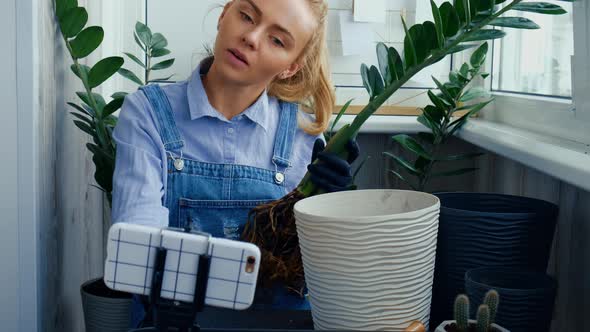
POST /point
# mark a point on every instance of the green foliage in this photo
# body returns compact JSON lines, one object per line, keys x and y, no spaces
{"x":492,"y":300}
{"x":438,"y":117}
{"x":462,"y":312}
{"x":153,"y":46}
{"x":458,"y":25}
{"x":483,"y":318}
{"x":486,"y":312}
{"x":93,"y":115}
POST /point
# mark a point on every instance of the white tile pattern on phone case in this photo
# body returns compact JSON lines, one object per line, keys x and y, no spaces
{"x":131,"y":254}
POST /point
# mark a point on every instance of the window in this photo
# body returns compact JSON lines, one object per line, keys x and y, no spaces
{"x":536,"y":62}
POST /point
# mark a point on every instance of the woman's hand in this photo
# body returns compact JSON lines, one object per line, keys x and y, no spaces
{"x":332,"y":173}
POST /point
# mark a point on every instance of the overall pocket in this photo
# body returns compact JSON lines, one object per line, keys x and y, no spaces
{"x":220,"y":218}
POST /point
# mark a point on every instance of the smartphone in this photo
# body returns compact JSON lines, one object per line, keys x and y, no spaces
{"x":131,"y":254}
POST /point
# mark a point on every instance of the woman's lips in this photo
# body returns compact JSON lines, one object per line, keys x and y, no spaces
{"x":236,"y":60}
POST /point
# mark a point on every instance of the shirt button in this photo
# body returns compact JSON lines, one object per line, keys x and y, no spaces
{"x":230,"y":130}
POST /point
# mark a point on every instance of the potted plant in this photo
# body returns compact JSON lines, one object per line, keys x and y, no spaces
{"x":484,"y":322}
{"x":275,"y":227}
{"x":529,"y":295}
{"x":104,"y":309}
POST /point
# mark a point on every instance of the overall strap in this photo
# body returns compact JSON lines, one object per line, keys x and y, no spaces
{"x":285,"y":135}
{"x":163,"y":112}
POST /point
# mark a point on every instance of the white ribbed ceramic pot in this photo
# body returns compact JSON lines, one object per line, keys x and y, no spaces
{"x":368,"y":257}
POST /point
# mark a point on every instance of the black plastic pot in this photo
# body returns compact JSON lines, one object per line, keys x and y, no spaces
{"x":487,"y":230}
{"x":526,"y":297}
{"x":105,"y":310}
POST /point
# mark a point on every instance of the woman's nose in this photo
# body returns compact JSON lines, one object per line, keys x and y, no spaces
{"x":251,"y":38}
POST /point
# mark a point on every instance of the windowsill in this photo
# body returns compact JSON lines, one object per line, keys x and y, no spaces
{"x":564,"y":159}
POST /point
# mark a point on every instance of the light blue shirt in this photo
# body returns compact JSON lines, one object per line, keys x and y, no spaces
{"x":139,"y":181}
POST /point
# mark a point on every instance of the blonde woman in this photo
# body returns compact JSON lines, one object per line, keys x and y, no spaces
{"x":205,"y":151}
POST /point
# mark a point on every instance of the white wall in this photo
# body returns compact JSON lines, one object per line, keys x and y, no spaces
{"x":9,"y":245}
{"x":19,"y":305}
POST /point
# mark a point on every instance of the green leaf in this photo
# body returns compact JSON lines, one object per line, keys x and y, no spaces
{"x":135,"y":59}
{"x":409,"y":46}
{"x":138,"y":42}
{"x":461,"y":48}
{"x":540,"y":7}
{"x":161,"y":78}
{"x":130,"y":76}
{"x":84,"y":118}
{"x":395,"y":64}
{"x":84,"y":127}
{"x":73,"y":21}
{"x":340,"y":114}
{"x":457,"y":124}
{"x":460,"y":156}
{"x":427,"y":41}
{"x":477,"y":92}
{"x":450,"y":19}
{"x":160,"y":52}
{"x":485,"y":34}
{"x":366,"y":81}
{"x":63,"y":6}
{"x":464,"y":71}
{"x":158,"y":41}
{"x":144,"y":33}
{"x":479,"y":56}
{"x":454,"y":173}
{"x":83,"y":110}
{"x":104,"y":69}
{"x":412,"y":145}
{"x":112,"y":106}
{"x":163,"y":65}
{"x":118,"y":95}
{"x":376,"y":81}
{"x":100,"y":103}
{"x":383,"y":59}
{"x":440,"y":33}
{"x":515,"y":22}
{"x":446,"y":93}
{"x":82,"y":71}
{"x":437,"y":101}
{"x":409,"y":167}
{"x":435,"y":114}
{"x":86,"y":42}
{"x":401,"y":177}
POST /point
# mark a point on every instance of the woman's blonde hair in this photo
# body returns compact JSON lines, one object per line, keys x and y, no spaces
{"x":311,"y":86}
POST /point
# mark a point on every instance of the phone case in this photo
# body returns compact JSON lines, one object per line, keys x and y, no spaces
{"x":131,"y":253}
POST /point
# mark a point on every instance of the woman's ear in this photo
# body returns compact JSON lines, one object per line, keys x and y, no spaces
{"x":291,"y":71}
{"x":225,"y":8}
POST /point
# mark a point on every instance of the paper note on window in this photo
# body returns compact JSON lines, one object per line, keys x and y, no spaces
{"x":369,"y":11}
{"x":357,"y":38}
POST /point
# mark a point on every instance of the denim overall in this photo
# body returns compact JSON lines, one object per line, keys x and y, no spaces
{"x":216,"y":198}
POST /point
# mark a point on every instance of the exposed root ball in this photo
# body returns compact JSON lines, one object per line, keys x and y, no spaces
{"x":272,"y":228}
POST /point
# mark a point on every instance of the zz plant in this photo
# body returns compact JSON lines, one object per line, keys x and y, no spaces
{"x":93,"y":115}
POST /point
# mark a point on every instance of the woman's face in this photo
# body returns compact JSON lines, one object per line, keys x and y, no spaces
{"x":259,"y":40}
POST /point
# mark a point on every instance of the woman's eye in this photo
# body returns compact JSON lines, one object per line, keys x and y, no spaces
{"x":246,"y":17}
{"x":278,"y":42}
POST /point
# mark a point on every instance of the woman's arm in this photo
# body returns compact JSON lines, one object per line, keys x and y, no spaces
{"x":138,"y":183}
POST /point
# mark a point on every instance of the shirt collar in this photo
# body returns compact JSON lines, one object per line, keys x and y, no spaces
{"x":199,"y":105}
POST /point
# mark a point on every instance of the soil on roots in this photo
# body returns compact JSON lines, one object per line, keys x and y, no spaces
{"x":272,"y":228}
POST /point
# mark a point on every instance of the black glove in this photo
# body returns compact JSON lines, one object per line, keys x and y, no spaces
{"x":332,"y":173}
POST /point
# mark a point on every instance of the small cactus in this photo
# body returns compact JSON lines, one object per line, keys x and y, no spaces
{"x":483,"y":318}
{"x":462,"y":312}
{"x":492,"y":300}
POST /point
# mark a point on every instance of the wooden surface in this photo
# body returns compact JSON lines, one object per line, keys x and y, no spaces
{"x":388,"y":110}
